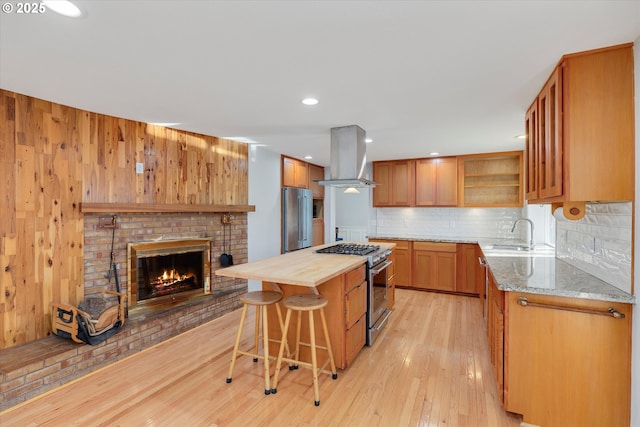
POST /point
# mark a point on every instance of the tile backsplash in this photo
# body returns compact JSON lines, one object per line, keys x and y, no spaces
{"x":474,"y":223}
{"x":599,"y":243}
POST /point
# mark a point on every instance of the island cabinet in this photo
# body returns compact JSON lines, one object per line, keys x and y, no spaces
{"x":580,"y":131}
{"x":568,"y":360}
{"x":433,"y":266}
{"x":437,"y":182}
{"x":345,"y":314}
{"x":395,"y":183}
{"x":355,"y":308}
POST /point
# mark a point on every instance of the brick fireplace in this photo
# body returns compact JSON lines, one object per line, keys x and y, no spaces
{"x":41,"y":365}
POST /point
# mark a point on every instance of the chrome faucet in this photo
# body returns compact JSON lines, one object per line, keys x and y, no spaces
{"x":531,"y":223}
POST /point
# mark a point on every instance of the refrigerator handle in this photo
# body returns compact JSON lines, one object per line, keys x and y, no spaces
{"x":301,"y":224}
{"x":307,"y":222}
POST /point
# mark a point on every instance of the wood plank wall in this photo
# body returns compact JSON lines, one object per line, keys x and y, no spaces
{"x":52,"y":158}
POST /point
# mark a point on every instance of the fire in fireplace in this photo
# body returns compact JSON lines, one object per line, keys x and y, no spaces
{"x":167,"y":270}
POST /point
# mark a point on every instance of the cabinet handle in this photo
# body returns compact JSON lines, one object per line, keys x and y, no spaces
{"x":611,"y":312}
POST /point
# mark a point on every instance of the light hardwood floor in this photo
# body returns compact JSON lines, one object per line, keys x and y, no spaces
{"x":429,"y":367}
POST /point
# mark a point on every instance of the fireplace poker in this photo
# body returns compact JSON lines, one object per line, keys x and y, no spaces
{"x":112,"y":264}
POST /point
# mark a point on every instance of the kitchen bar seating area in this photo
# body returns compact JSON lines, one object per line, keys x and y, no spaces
{"x":260,"y":300}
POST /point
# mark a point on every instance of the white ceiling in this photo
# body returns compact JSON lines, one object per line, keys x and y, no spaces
{"x":418,"y":76}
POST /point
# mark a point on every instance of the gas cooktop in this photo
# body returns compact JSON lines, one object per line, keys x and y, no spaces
{"x":349,"y":249}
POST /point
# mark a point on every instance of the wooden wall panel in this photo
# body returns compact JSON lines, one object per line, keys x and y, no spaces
{"x":52,"y":158}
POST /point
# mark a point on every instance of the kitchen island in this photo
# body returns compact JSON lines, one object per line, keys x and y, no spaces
{"x":339,"y":278}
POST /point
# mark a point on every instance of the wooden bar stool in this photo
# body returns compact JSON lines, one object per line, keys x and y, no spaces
{"x":261,"y":300}
{"x":308,"y":303}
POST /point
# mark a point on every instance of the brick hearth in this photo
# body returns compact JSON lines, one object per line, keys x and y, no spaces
{"x":38,"y":366}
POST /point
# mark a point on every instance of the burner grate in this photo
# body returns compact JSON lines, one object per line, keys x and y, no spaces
{"x":349,"y":249}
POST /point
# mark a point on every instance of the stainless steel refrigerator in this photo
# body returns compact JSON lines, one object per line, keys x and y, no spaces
{"x":297,"y":212}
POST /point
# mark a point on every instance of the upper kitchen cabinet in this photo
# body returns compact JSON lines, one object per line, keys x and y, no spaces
{"x":316,"y":173}
{"x":436,"y":182}
{"x":295,"y":173}
{"x":580,"y":131}
{"x":549,"y":142}
{"x":395,"y":182}
{"x":531,"y":129}
{"x":491,"y":180}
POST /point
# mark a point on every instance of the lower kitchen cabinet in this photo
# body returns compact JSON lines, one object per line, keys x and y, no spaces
{"x":443,"y":266}
{"x":433,"y":266}
{"x":495,"y":333}
{"x":469,"y":270}
{"x":568,"y":361}
{"x":345,"y":314}
{"x":402,"y":261}
{"x":318,"y":231}
{"x":391,"y":280}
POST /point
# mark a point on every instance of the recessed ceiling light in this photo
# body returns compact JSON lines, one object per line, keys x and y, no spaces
{"x":368,"y":140}
{"x":243,"y":139}
{"x":308,"y":157}
{"x":309,"y":101}
{"x":434,"y":153}
{"x":63,"y":7}
{"x":165,"y":124}
{"x":521,"y":136}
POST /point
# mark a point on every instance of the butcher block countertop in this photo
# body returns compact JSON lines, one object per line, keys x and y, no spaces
{"x":302,"y":268}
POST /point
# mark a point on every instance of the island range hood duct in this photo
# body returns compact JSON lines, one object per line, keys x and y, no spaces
{"x":348,"y":158}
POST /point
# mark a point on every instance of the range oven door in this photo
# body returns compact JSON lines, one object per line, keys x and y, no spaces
{"x":378,"y":299}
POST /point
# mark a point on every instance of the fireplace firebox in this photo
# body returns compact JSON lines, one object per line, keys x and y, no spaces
{"x":167,"y":270}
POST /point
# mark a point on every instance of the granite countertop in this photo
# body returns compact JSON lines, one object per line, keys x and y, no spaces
{"x":537,"y":271}
{"x":423,"y":238}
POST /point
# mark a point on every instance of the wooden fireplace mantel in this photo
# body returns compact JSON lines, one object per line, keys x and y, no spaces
{"x":161,"y":208}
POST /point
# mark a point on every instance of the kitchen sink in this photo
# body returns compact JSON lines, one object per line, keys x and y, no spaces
{"x":512,"y":247}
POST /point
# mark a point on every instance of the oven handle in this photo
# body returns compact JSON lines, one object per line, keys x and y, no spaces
{"x":378,"y":270}
{"x":387,"y":314}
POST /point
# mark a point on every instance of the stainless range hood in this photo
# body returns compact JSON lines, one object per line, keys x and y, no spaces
{"x":348,"y":158}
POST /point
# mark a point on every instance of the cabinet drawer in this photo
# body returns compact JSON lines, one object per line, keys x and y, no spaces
{"x":434,"y":246}
{"x":355,"y":304}
{"x":354,"y":277}
{"x":355,"y":339}
{"x":401,"y":244}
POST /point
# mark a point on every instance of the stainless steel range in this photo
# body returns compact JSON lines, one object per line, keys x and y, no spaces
{"x":377,"y":282}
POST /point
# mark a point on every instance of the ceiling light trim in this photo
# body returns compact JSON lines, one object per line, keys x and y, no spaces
{"x":64,"y":8}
